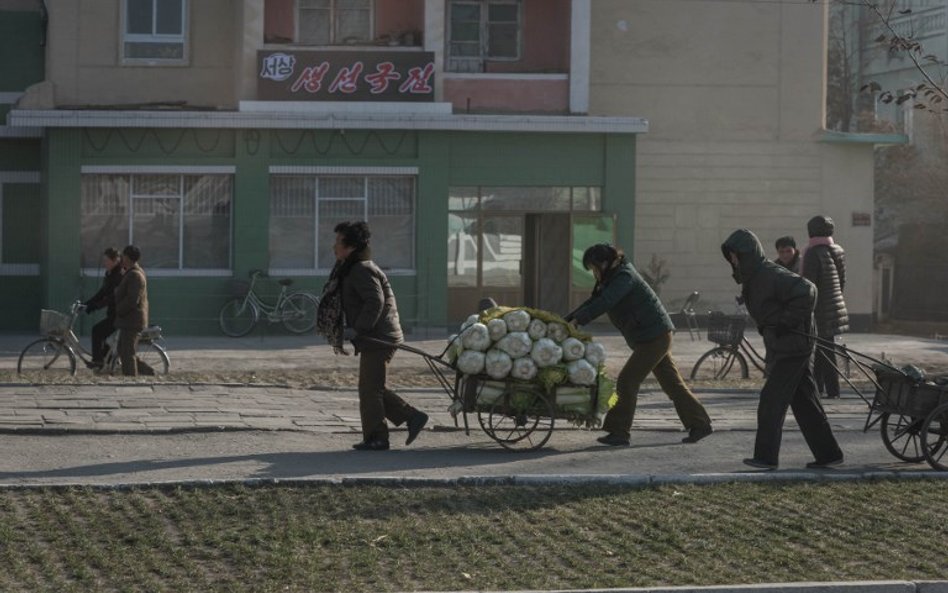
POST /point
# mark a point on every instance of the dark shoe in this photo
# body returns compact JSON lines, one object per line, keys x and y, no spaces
{"x":373,"y":445}
{"x":614,"y":440}
{"x":824,"y":464}
{"x":696,"y":434}
{"x":93,"y":365}
{"x":759,"y":464}
{"x":415,"y":424}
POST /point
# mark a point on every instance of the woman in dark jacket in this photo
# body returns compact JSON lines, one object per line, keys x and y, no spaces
{"x":635,"y":310}
{"x":824,"y":264}
{"x":371,"y":316}
{"x":112,"y":262}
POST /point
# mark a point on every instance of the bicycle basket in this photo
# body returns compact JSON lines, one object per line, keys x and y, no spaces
{"x":239,"y":288}
{"x":53,"y":323}
{"x":726,"y":330}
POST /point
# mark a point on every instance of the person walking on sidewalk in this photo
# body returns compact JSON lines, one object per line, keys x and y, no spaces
{"x":112,"y":261}
{"x":131,"y":310}
{"x":634,"y":309}
{"x":781,"y":304}
{"x":824,"y":264}
{"x":371,"y":316}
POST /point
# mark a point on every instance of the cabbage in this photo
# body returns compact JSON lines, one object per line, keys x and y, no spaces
{"x":546,"y":352}
{"x":497,"y":363}
{"x":524,"y":368}
{"x":573,"y":349}
{"x":489,"y":392}
{"x":515,"y":344}
{"x":471,"y":362}
{"x":476,"y":337}
{"x":517,"y":321}
{"x":580,"y":372}
{"x":557,"y":331}
{"x":536,"y":330}
{"x":595,"y":354}
{"x":469,"y":322}
{"x":454,"y":348}
{"x":497,"y":329}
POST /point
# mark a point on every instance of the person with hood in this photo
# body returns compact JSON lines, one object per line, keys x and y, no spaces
{"x":634,"y":309}
{"x":365,"y":313}
{"x":788,"y":255}
{"x":781,"y":304}
{"x":824,"y":264}
{"x":112,"y":261}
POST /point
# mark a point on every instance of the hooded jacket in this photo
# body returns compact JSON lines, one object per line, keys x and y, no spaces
{"x":780,"y":302}
{"x":825,"y":266}
{"x":369,"y":303}
{"x":632,"y":305}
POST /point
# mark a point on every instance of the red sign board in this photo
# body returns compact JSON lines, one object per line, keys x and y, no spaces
{"x":345,"y":76}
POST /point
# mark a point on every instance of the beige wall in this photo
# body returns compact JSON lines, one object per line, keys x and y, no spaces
{"x":734,"y":97}
{"x":83,"y":59}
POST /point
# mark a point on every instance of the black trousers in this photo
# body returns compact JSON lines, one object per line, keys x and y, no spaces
{"x":791,"y":384}
{"x":376,"y":401}
{"x":824,"y":367}
{"x":100,"y":333}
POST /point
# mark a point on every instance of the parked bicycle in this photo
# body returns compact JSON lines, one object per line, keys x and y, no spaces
{"x":295,"y":310}
{"x":732,"y":352}
{"x":58,"y":350}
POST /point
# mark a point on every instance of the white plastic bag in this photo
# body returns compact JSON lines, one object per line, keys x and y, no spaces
{"x":476,"y":337}
{"x":536,"y":329}
{"x":497,"y":363}
{"x":524,"y":368}
{"x":580,"y":372}
{"x":471,"y":362}
{"x":517,"y":321}
{"x":595,"y":354}
{"x":573,"y":349}
{"x":546,"y":352}
{"x":516,"y":344}
{"x":497,"y":328}
{"x":556,"y":331}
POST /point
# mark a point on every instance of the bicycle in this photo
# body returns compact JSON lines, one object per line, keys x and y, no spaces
{"x":296,"y":310}
{"x":57,"y":351}
{"x":732,"y":350}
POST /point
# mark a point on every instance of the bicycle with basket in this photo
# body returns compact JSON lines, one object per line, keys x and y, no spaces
{"x":732,"y":351}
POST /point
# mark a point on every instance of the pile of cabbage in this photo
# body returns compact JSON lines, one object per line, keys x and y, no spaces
{"x":522,"y":348}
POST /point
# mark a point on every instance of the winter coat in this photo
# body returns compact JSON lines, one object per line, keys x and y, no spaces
{"x":780,"y":302}
{"x":793,"y":266}
{"x":632,"y":305}
{"x":825,"y":266}
{"x":106,"y":295}
{"x":131,"y":300}
{"x":369,"y":303}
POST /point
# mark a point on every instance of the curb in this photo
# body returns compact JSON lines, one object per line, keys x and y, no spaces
{"x":803,"y":587}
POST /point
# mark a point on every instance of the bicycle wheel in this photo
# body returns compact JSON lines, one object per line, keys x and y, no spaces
{"x":152,"y":357}
{"x":298,"y":312}
{"x":717,"y":364}
{"x":237,"y":318}
{"x":935,"y":438}
{"x":901,"y":436}
{"x":47,"y":356}
{"x":519,"y":421}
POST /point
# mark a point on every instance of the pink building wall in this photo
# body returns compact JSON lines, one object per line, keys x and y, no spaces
{"x":507,"y":95}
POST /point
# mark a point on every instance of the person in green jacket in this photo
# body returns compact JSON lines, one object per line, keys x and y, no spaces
{"x":634,"y":309}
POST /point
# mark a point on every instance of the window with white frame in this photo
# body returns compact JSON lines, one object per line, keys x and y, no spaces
{"x":155,"y":30}
{"x":334,"y":22}
{"x":305,"y":209}
{"x":484,"y":30}
{"x":180,"y":222}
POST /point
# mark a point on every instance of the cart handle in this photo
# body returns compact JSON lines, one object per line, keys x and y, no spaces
{"x":402,"y":346}
{"x":831,"y":344}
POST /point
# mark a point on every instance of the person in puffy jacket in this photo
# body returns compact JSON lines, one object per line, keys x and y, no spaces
{"x":634,"y":309}
{"x":781,"y":304}
{"x":371,"y":316}
{"x":824,"y":264}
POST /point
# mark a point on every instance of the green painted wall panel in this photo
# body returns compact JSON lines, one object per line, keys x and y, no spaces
{"x":251,"y":239}
{"x":334,"y":144}
{"x":20,"y":35}
{"x":60,"y":246}
{"x":20,"y":304}
{"x":182,"y":146}
{"x":22,"y":221}
{"x":20,"y":154}
{"x":431,"y":227}
{"x":618,"y":192}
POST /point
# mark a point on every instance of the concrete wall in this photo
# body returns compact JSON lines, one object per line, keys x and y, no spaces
{"x":734,"y":95}
{"x":84,"y":57}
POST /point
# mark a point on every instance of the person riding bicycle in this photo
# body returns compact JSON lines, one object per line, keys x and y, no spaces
{"x":131,"y":312}
{"x":112,"y":262}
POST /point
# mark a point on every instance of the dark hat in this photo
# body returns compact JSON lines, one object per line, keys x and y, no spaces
{"x":820,"y":226}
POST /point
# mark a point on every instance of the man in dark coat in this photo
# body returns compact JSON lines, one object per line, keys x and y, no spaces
{"x":781,"y":303}
{"x":371,"y":316}
{"x":112,"y":262}
{"x":131,"y":309}
{"x":824,"y":264}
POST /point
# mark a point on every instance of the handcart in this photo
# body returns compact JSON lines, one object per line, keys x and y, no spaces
{"x":912,"y":412}
{"x":519,"y":415}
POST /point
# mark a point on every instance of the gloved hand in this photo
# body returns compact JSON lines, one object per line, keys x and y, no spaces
{"x":349,"y":334}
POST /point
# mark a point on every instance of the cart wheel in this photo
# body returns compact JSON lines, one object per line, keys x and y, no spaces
{"x":519,"y":421}
{"x":901,"y":436}
{"x":935,"y":438}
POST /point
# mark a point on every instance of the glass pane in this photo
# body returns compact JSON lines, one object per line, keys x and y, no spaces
{"x":461,"y":12}
{"x":207,"y":221}
{"x":156,"y":185}
{"x":502,"y":41}
{"x":344,"y":4}
{"x":169,"y":17}
{"x":462,"y":198}
{"x":595,"y":199}
{"x":586,"y":199}
{"x":465,"y":32}
{"x":331,"y":214}
{"x":292,"y":222}
{"x":528,"y":199}
{"x":138,"y":17}
{"x":353,"y":26}
{"x":462,"y":250}
{"x":155,"y":51}
{"x":466,"y":50}
{"x":392,"y":222}
{"x":103,"y":216}
{"x":314,"y":27}
{"x":342,"y":187}
{"x":315,"y":3}
{"x":155,"y":226}
{"x":502,"y":13}
{"x":587,"y":231}
{"x":503,"y":246}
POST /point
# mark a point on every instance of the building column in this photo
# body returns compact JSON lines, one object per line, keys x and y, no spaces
{"x":249,"y":27}
{"x":618,"y":192}
{"x":60,"y":265}
{"x":251,"y":203}
{"x":434,"y":38}
{"x":579,"y":44}
{"x":431,"y":214}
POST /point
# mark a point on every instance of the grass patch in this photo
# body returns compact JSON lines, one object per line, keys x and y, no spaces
{"x":297,"y":538}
